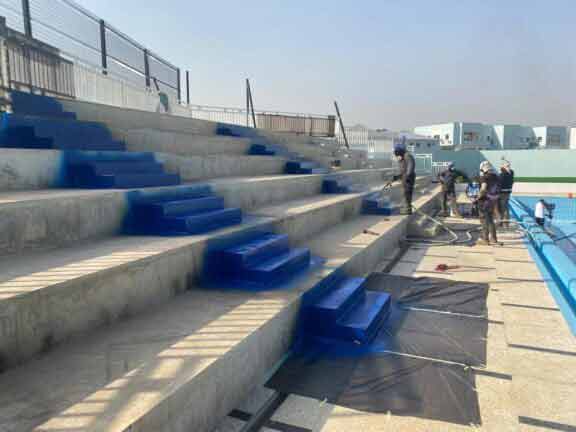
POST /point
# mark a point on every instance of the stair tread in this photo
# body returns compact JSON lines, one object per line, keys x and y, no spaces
{"x":362,"y":316}
{"x":336,"y":298}
{"x":256,"y":244}
{"x":206,"y":214}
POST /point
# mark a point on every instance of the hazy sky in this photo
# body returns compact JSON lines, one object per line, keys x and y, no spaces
{"x":389,"y":63}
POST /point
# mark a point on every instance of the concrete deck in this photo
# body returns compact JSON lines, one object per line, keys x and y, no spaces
{"x":529,"y":383}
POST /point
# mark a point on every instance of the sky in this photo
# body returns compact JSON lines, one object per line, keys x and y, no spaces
{"x":391,"y":64}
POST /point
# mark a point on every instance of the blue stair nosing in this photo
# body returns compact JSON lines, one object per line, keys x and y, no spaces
{"x":279,"y":266}
{"x":362,"y":322}
{"x":122,"y":167}
{"x":249,"y":254}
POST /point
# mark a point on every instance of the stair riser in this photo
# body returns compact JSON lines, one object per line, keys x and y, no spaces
{"x":201,"y":224}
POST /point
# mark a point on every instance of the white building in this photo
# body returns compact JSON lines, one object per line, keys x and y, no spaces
{"x":479,"y":136}
{"x":573,"y":138}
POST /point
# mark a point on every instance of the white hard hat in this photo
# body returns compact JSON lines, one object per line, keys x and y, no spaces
{"x":486,"y":166}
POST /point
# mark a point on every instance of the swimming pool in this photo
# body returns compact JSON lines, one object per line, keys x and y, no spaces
{"x":554,"y":247}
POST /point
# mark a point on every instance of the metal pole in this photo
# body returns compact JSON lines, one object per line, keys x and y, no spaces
{"x":147,"y":68}
{"x":341,"y":125}
{"x":188,"y":87}
{"x":27,"y":18}
{"x":251,"y":102}
{"x":179,"y":86}
{"x":247,"y":103}
{"x":103,"y":47}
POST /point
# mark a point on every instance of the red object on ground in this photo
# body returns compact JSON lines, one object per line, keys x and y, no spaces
{"x":445,"y":267}
{"x":570,"y":195}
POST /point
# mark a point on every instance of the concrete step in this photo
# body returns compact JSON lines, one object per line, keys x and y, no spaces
{"x":55,"y":218}
{"x":278,"y":267}
{"x":45,"y":298}
{"x":176,"y":367}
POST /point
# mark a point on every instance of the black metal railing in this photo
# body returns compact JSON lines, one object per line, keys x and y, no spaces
{"x":73,"y":30}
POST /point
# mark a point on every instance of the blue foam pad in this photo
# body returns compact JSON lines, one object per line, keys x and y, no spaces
{"x":255,"y":251}
{"x":279,"y":267}
{"x":363,"y":321}
{"x":202,"y":222}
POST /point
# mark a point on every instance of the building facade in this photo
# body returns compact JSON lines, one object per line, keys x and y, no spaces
{"x":479,"y":136}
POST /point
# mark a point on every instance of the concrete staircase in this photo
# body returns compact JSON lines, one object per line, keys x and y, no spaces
{"x":110,"y":318}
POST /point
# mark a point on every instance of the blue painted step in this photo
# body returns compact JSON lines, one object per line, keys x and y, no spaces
{"x":120,"y":167}
{"x":304,"y":167}
{"x":376,"y":205}
{"x":336,"y":185}
{"x":38,"y":105}
{"x":131,"y":181}
{"x":279,"y":267}
{"x":200,"y":223}
{"x":261,"y":150}
{"x":66,"y":134}
{"x":339,"y":301}
{"x":23,"y":137}
{"x":364,"y":320}
{"x":256,"y":251}
{"x":181,"y":207}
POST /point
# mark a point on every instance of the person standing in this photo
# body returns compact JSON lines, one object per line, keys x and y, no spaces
{"x":447,"y":179}
{"x":506,"y":186}
{"x":487,"y":203}
{"x":407,"y":175}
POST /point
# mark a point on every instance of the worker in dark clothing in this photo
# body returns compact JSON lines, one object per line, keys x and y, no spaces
{"x":448,"y":179}
{"x":488,"y":202}
{"x":407,"y":175}
{"x":506,"y":186}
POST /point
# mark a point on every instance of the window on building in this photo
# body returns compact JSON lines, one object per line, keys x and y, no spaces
{"x":470,"y":136}
{"x":429,"y":145}
{"x":446,"y":136}
{"x":554,"y":139}
{"x":417,"y":145}
{"x":436,"y":137}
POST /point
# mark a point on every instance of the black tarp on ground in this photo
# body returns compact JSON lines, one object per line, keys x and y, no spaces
{"x":418,"y":364}
{"x":433,"y":293}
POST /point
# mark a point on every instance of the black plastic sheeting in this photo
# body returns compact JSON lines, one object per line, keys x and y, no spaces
{"x":419,"y":365}
{"x":432,"y":293}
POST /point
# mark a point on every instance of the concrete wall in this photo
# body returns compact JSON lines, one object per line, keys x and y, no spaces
{"x":529,"y":164}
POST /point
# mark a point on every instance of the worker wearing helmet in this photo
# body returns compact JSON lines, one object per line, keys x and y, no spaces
{"x":407,"y":174}
{"x":447,"y":179}
{"x":488,"y":202}
{"x":506,"y":185}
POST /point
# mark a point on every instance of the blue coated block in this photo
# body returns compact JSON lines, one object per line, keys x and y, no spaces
{"x":38,"y":105}
{"x":338,"y":302}
{"x":79,"y":157}
{"x":255,"y":251}
{"x":261,"y":150}
{"x":362,"y":322}
{"x":133,"y":181}
{"x":122,"y":167}
{"x":279,"y":267}
{"x":202,"y":222}
{"x":183,"y":207}
{"x":336,"y":185}
{"x":66,"y":134}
